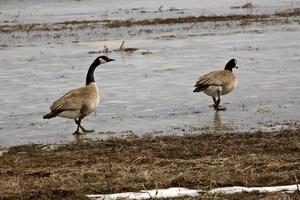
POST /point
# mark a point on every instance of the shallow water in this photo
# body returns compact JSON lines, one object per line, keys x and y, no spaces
{"x":16,"y":11}
{"x":150,"y":93}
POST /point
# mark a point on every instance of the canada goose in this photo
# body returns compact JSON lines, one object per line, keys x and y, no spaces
{"x":80,"y":102}
{"x":217,"y":83}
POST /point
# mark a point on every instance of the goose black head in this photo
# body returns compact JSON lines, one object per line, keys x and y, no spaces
{"x":99,"y":60}
{"x":104,"y":59}
{"x":231,"y":64}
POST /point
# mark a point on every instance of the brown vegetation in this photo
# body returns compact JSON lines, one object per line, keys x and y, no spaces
{"x":69,"y":25}
{"x":120,"y":49}
{"x":205,"y":161}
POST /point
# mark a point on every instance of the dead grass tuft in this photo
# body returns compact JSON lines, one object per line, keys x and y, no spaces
{"x":204,"y":161}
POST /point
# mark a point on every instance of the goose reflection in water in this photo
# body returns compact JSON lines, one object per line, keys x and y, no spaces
{"x":219,"y":126}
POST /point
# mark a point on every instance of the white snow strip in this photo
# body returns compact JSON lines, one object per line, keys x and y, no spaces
{"x":149,"y":194}
{"x":182,"y":192}
{"x":239,"y":189}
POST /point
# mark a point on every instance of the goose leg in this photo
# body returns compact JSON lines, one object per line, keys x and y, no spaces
{"x":81,"y":127}
{"x":77,"y":132}
{"x":215,"y":100}
{"x":217,"y":103}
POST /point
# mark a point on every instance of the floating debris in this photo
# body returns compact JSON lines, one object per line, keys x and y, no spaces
{"x":147,"y":52}
{"x":105,"y":50}
{"x":247,"y":5}
{"x":120,"y":49}
{"x":263,"y":110}
{"x":129,"y":50}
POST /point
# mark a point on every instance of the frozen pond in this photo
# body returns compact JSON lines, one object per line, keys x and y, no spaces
{"x":148,"y":93}
{"x":16,"y":11}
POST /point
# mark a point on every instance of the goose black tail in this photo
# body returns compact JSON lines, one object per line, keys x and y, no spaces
{"x":200,"y":88}
{"x":51,"y":115}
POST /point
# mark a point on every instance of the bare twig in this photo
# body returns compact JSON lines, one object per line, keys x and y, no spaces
{"x":121,"y":47}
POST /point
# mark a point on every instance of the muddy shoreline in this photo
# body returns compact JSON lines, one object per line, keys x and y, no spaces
{"x":278,"y":17}
{"x":204,"y":161}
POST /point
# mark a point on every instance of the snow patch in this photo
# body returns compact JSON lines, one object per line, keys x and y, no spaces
{"x":182,"y":192}
{"x":239,"y":189}
{"x":149,"y":194}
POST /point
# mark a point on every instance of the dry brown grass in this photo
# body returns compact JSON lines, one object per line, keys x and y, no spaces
{"x":117,"y":165}
{"x":275,"y":18}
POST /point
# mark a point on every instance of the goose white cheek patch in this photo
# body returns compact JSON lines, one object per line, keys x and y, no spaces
{"x":102,"y":61}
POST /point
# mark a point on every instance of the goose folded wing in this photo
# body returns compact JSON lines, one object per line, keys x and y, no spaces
{"x":208,"y":79}
{"x":70,"y":101}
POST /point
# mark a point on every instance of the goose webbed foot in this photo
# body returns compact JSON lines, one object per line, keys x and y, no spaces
{"x":82,"y":128}
{"x":77,"y":132}
{"x":217,"y":103}
{"x":220,"y":108}
{"x":217,"y":106}
{"x":86,"y":130}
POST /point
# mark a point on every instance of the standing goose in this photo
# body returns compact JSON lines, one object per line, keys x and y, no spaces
{"x":217,"y":83}
{"x":80,"y":102}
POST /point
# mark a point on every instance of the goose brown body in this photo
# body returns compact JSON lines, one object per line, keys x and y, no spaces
{"x":77,"y":103}
{"x":218,"y":83}
{"x":222,"y":81}
{"x":80,"y":102}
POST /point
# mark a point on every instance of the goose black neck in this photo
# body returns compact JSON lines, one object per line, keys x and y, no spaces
{"x":228,"y":68}
{"x":90,"y":75}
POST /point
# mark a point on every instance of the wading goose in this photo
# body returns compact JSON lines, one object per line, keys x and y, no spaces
{"x":78,"y":103}
{"x":217,"y":83}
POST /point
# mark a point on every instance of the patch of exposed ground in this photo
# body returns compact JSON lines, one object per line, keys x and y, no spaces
{"x":205,"y":161}
{"x":200,"y":19}
{"x":279,"y":17}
